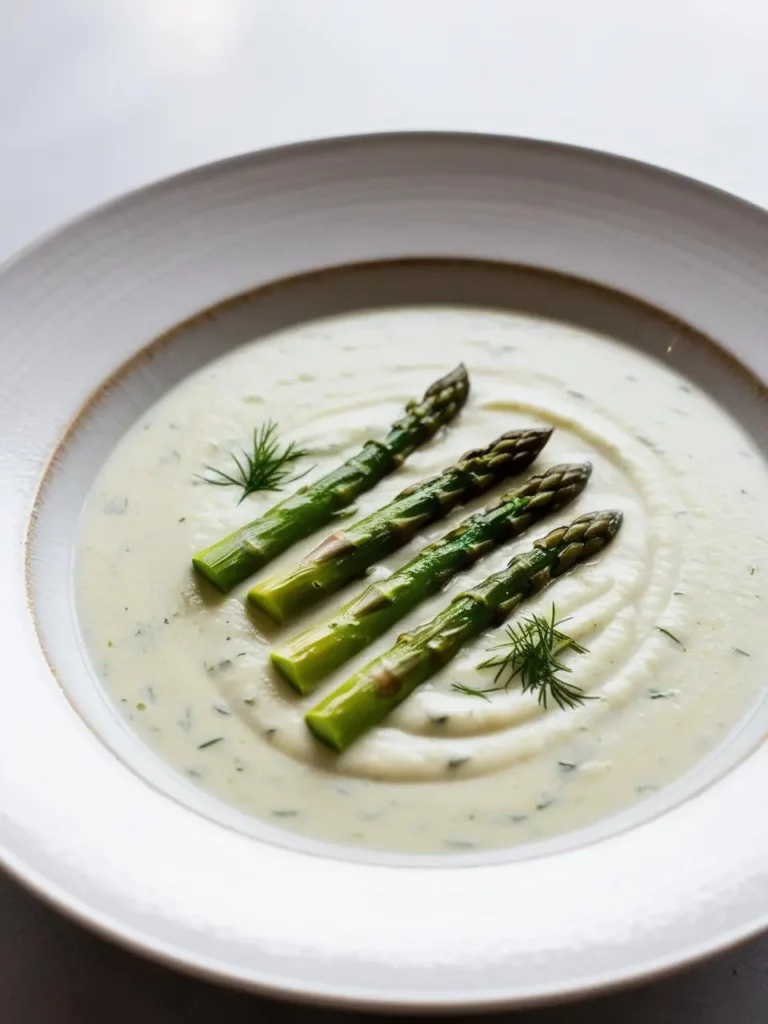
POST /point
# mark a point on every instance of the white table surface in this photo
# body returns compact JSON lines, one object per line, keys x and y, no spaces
{"x":101,"y":96}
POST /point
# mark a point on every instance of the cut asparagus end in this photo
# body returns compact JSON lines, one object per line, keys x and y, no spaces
{"x":224,"y":564}
{"x":327,"y":729}
{"x":278,"y":598}
{"x":263,"y":602}
{"x":306,"y":659}
{"x":293,"y":673}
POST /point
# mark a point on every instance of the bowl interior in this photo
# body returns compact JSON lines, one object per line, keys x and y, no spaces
{"x":308,"y":298}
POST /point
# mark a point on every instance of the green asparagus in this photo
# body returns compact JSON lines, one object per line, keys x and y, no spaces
{"x":346,"y":554}
{"x":309,"y":657}
{"x":233,"y":559}
{"x":365,"y":699}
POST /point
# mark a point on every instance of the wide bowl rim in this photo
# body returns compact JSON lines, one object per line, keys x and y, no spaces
{"x":411,"y":1001}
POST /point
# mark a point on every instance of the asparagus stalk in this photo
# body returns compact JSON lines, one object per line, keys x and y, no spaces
{"x":309,"y":657}
{"x":346,"y":555}
{"x":365,"y":699}
{"x":233,"y":559}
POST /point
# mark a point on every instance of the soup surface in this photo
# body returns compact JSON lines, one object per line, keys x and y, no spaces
{"x":671,"y":612}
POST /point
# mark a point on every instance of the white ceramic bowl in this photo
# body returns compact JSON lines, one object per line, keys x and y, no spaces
{"x":95,"y":824}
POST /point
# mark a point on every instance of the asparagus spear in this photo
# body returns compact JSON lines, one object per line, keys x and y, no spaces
{"x":310,"y":656}
{"x":233,"y":559}
{"x":365,"y":699}
{"x":346,"y":555}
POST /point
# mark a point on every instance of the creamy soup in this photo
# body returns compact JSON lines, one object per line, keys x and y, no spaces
{"x":671,"y":612}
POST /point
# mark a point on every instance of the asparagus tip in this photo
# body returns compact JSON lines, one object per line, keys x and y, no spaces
{"x":582,"y":470}
{"x":457,"y":376}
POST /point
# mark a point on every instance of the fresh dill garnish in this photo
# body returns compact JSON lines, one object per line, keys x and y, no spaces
{"x":265,"y":468}
{"x":670,"y":635}
{"x":531,"y":651}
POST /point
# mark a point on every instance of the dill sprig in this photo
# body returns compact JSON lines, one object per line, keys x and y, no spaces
{"x":532,"y":652}
{"x":264,"y":468}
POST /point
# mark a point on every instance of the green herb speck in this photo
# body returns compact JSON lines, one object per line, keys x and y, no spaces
{"x":210,"y":743}
{"x":457,"y":762}
{"x":670,"y":635}
{"x":219,"y":666}
{"x":648,"y":443}
{"x":469,"y":691}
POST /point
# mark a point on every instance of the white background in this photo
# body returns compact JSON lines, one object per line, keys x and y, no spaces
{"x":101,"y":96}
